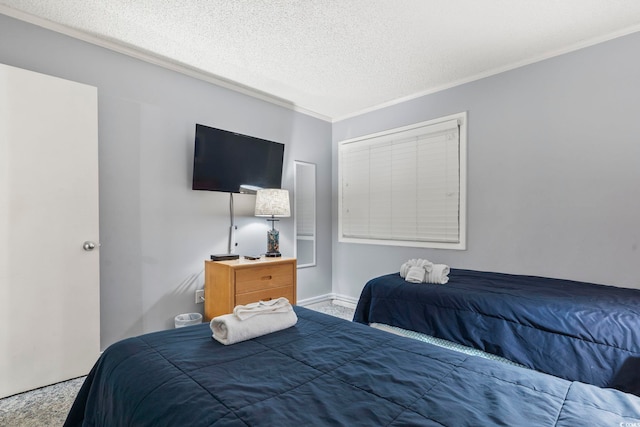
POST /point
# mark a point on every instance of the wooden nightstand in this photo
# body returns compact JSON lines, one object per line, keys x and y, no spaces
{"x":239,"y":282}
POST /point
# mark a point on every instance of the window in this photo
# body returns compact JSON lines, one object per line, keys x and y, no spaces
{"x":405,"y":186}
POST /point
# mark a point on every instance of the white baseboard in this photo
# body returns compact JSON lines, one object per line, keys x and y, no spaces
{"x":332,"y":298}
{"x":313,"y":301}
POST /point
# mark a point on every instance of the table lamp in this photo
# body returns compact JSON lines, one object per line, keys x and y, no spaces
{"x":272,"y":203}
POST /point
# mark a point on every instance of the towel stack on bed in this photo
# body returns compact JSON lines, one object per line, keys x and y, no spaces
{"x":253,"y":320}
{"x":424,"y":271}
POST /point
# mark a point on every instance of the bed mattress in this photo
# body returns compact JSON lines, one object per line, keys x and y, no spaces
{"x":326,"y":371}
{"x":577,"y":331}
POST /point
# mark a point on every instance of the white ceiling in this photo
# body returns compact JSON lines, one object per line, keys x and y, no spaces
{"x":337,"y":58}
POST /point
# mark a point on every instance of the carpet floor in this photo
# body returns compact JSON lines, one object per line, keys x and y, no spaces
{"x":43,"y":407}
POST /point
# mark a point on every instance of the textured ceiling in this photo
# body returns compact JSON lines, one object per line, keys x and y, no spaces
{"x":337,"y":58}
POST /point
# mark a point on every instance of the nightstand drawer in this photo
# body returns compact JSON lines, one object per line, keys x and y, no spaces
{"x":263,"y":278}
{"x":265,"y":295}
{"x":240,"y":282}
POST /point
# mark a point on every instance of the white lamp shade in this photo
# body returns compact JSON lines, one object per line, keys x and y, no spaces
{"x":272,"y":202}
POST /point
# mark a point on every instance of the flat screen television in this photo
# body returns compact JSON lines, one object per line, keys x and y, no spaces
{"x":224,"y":161}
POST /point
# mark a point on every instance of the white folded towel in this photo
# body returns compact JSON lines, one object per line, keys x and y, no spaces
{"x":416,"y":274}
{"x":419,"y":270}
{"x":416,"y":262}
{"x":439,"y":274}
{"x":230,"y":328}
{"x":279,"y":305}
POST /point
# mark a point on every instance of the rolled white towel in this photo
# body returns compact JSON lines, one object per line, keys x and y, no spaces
{"x":230,"y":329}
{"x":415,"y":262}
{"x":426,"y":264}
{"x":439,"y":274}
{"x":416,"y":274}
{"x":278,"y":305}
{"x":404,"y":268}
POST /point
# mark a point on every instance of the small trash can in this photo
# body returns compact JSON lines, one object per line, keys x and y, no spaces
{"x":188,"y":319}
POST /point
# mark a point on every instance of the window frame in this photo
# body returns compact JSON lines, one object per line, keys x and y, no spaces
{"x":398,"y":133}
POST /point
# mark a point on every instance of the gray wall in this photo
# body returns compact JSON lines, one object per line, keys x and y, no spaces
{"x":554,"y":167}
{"x":553,"y":171}
{"x":155,"y":231}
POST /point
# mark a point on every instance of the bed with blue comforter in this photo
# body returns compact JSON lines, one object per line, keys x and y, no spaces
{"x":325,"y":371}
{"x":577,"y":331}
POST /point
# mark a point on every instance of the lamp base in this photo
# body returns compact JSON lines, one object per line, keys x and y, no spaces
{"x":273,"y":243}
{"x":273,"y":254}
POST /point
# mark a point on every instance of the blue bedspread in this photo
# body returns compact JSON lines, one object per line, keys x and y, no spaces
{"x":327,"y":371}
{"x":577,"y":331}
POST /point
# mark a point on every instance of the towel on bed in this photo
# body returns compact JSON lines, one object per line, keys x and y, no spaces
{"x":416,"y":262}
{"x":439,"y":274}
{"x":419,"y":270}
{"x":279,"y":305}
{"x":231,"y":328}
{"x":416,"y":274}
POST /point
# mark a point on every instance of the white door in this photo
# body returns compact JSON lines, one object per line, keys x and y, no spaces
{"x":49,"y":284}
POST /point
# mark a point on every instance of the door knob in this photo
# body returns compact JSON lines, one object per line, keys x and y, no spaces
{"x":88,"y":246}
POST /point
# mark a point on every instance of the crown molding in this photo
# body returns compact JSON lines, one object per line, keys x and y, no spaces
{"x":158,"y":60}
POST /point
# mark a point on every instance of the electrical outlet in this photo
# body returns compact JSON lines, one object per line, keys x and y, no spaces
{"x":199,"y":296}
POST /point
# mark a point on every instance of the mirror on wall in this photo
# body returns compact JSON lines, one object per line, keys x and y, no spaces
{"x":305,"y":213}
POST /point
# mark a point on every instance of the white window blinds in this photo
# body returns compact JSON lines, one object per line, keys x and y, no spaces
{"x":404,"y":187}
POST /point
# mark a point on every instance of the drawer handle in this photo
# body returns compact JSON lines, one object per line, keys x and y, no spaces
{"x":267,"y":299}
{"x":266,"y":277}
